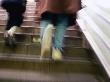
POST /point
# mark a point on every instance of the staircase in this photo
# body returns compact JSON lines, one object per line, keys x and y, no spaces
{"x":22,"y":64}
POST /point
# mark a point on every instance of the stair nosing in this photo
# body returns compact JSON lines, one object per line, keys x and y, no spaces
{"x":37,"y":34}
{"x":36,"y":58}
{"x":31,"y":76}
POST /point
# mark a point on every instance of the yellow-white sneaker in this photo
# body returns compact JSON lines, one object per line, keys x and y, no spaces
{"x":46,"y":42}
{"x":56,"y":54}
{"x":36,"y":40}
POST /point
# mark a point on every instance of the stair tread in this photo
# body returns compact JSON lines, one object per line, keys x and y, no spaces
{"x":30,"y":76}
{"x":36,"y":58}
{"x":37,"y":34}
{"x":23,"y":26}
{"x":45,"y":77}
{"x":25,"y":20}
{"x":70,"y":29}
{"x":49,"y":66}
{"x":37,"y":27}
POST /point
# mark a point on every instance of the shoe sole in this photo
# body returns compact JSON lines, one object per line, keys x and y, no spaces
{"x":10,"y":41}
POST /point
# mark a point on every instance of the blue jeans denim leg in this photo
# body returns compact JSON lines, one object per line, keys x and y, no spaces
{"x":43,"y":25}
{"x":61,"y":26}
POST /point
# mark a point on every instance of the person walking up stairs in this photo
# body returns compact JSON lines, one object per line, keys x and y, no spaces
{"x":15,"y":10}
{"x":59,"y":16}
{"x":23,"y":64}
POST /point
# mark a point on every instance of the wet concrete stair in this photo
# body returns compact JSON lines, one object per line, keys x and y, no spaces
{"x":22,"y":64}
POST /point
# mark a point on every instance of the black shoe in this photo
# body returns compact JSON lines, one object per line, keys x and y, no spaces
{"x":9,"y":40}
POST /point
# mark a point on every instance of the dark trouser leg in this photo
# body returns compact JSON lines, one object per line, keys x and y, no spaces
{"x":14,"y":20}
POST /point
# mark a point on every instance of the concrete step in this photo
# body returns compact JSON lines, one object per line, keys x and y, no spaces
{"x":27,"y":10}
{"x":26,"y":22}
{"x":31,"y":10}
{"x":32,"y":3}
{"x":22,"y":29}
{"x":71,"y":31}
{"x":28,"y":37}
{"x":27,"y":16}
{"x":35,"y":48}
{"x":27,"y":7}
{"x":7,"y":75}
{"x":47,"y":65}
{"x":30,"y":14}
{"x":32,"y":17}
{"x":2,"y":13}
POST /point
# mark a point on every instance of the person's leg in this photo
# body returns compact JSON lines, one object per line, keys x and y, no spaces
{"x":9,"y":21}
{"x":15,"y":21}
{"x":62,"y":24}
{"x":43,"y":25}
{"x":46,"y":19}
{"x":15,"y":17}
{"x":46,"y":34}
{"x":12,"y":24}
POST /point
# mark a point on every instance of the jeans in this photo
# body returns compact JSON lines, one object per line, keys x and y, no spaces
{"x":60,"y":23}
